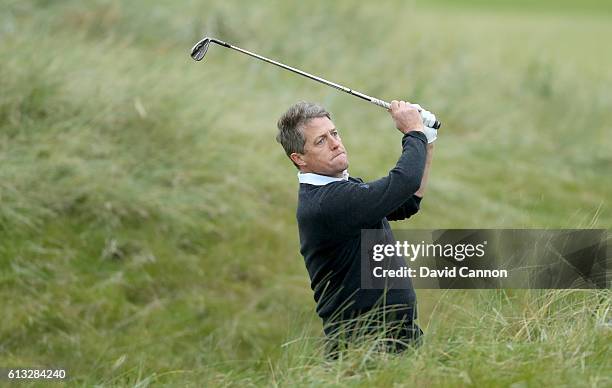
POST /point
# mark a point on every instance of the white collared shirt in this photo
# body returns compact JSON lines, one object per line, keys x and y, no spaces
{"x":320,"y":180}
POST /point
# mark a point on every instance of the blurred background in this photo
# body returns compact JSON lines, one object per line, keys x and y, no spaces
{"x":147,"y":216}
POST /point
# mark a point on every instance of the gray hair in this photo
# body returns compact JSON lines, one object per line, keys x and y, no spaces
{"x":291,"y":125}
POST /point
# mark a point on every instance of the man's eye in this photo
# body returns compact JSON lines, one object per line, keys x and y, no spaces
{"x":335,"y":134}
{"x":319,"y":142}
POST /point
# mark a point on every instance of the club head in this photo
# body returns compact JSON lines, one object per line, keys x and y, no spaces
{"x":199,"y":50}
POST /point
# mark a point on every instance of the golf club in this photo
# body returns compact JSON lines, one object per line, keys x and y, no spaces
{"x":199,"y":51}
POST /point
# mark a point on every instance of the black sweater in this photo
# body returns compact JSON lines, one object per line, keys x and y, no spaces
{"x":330,"y":219}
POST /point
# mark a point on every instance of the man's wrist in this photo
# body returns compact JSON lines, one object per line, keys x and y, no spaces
{"x":418,"y":134}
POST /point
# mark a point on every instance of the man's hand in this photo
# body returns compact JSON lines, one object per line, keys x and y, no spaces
{"x":431,"y":134}
{"x":406,"y":116}
{"x":428,"y":120}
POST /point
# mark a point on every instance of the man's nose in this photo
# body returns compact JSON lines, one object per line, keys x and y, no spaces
{"x":334,"y":143}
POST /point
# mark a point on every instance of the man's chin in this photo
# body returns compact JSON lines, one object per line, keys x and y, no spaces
{"x":341,"y":167}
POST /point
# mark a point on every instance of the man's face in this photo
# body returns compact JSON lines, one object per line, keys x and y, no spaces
{"x":324,"y":152}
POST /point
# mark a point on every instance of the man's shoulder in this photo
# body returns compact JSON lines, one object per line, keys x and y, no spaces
{"x":313,"y":193}
{"x":311,"y":198}
{"x":308,"y":192}
{"x":330,"y":191}
{"x":326,"y":199}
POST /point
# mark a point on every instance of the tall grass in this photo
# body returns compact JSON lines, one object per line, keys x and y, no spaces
{"x":147,"y":227}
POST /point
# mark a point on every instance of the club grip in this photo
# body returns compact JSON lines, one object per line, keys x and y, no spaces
{"x":387,"y":106}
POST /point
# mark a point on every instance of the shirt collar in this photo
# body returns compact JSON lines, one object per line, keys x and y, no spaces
{"x":320,"y":180}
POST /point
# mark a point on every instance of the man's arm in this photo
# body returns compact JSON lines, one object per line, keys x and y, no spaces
{"x":412,"y":205}
{"x":421,"y":191}
{"x":406,"y":210}
{"x":349,"y":207}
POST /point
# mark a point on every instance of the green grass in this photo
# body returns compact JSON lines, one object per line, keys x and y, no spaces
{"x":147,"y":217}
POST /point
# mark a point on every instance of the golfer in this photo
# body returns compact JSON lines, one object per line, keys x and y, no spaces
{"x":334,"y":207}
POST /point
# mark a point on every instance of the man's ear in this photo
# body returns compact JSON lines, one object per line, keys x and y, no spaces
{"x":297,"y":159}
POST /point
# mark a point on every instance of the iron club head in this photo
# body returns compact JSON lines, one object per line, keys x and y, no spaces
{"x":199,"y":49}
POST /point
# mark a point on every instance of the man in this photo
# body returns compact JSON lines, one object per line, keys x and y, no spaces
{"x":333,"y":208}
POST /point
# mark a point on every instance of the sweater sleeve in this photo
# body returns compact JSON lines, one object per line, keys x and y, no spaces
{"x":407,"y":209}
{"x":350,"y":207}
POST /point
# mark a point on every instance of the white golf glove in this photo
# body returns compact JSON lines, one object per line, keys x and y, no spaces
{"x":431,"y":134}
{"x":428,"y":121}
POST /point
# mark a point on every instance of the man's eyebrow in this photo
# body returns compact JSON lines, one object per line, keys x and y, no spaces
{"x":323,"y":135}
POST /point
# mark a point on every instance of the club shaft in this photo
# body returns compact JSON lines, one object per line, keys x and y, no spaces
{"x":373,"y":100}
{"x":305,"y":74}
